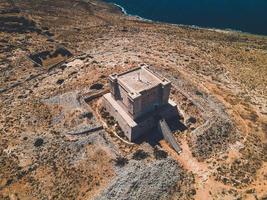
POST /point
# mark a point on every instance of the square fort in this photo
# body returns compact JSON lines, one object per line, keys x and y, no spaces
{"x":138,"y":98}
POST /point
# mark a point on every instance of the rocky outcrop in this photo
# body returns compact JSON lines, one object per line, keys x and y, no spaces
{"x":148,"y":182}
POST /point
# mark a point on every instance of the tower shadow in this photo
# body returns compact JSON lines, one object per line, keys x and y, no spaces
{"x":154,"y":136}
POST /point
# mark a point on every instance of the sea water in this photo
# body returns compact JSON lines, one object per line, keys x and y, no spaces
{"x":241,"y":15}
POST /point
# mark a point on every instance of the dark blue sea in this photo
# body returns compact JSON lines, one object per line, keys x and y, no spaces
{"x":241,"y":15}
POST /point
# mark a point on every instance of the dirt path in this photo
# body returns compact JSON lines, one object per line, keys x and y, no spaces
{"x":199,"y":169}
{"x":205,"y":184}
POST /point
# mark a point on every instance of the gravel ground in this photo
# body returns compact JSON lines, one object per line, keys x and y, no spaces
{"x":145,"y":181}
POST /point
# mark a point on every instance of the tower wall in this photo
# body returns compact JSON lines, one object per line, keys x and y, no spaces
{"x":166,"y":89}
{"x":114,"y":86}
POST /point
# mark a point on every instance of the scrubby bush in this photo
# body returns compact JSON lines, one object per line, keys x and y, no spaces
{"x":160,"y":154}
{"x":140,"y":155}
{"x":121,"y":161}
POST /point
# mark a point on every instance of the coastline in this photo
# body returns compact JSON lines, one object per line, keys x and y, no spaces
{"x":124,"y":11}
{"x":216,"y":77}
{"x":226,"y":31}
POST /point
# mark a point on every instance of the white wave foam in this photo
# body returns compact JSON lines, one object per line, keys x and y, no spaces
{"x":122,"y":8}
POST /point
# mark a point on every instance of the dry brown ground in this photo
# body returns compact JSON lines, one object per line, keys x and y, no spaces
{"x":231,"y":67}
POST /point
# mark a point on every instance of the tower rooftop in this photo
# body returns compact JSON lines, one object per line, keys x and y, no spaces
{"x":140,"y":79}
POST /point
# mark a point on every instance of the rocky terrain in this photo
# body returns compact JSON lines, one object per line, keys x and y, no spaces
{"x":55,"y":142}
